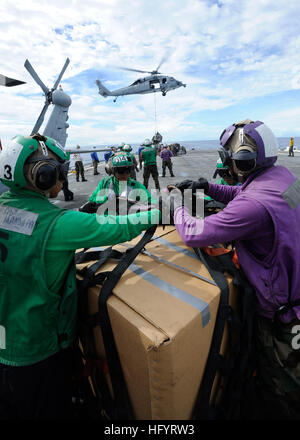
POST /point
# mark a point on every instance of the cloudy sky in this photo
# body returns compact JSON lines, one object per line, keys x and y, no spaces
{"x":239,"y":59}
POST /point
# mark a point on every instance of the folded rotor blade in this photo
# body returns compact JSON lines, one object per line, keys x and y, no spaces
{"x":9,"y":82}
{"x":35,"y":76}
{"x":61,"y":74}
{"x":40,"y":119}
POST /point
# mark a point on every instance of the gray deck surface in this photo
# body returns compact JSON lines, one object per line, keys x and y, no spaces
{"x":190,"y":166}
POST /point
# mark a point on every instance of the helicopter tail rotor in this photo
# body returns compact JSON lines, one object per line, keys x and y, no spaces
{"x":46,"y":90}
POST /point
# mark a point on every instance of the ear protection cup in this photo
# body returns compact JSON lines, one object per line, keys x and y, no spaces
{"x":44,"y":175}
{"x":225,"y":156}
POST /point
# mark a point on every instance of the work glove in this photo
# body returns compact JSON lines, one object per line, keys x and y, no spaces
{"x":89,"y":207}
{"x":169,"y":199}
{"x":191,"y":197}
{"x":201,"y":183}
{"x":140,"y":207}
{"x":176,"y":197}
{"x":185,"y":184}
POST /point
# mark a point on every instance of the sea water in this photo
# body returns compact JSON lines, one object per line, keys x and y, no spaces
{"x":211,"y":145}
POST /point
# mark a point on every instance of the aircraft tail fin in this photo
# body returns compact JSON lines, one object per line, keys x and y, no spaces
{"x":103,"y":91}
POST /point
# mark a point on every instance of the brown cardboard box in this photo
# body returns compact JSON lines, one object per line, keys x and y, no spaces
{"x":163,"y":319}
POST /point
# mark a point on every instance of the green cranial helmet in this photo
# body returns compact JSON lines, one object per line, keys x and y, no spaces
{"x":15,"y":153}
{"x":127,"y":148}
{"x":147,"y":142}
{"x":220,"y":166}
{"x":121,"y":160}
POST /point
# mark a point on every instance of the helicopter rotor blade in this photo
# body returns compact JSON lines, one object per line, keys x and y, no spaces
{"x":35,"y":76}
{"x":40,"y":119}
{"x":163,"y":60}
{"x":165,"y":57}
{"x":9,"y":82}
{"x":132,"y":70}
{"x":61,"y":74}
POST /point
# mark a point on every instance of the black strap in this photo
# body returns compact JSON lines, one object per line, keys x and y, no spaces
{"x":203,"y":409}
{"x":236,"y":362}
{"x":285,"y":308}
{"x":123,"y":409}
{"x":121,"y":406}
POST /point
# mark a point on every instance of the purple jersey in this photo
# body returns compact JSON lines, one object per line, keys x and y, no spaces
{"x":262,"y":218}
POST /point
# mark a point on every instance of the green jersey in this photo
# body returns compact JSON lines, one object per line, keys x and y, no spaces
{"x":132,"y":189}
{"x":149,"y":156}
{"x":37,"y":271}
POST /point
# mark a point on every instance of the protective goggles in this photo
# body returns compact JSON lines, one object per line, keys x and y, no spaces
{"x":123,"y":170}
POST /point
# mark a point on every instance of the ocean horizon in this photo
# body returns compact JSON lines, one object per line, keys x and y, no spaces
{"x":211,"y":145}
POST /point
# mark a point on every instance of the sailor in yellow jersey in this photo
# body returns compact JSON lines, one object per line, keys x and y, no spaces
{"x":291,"y":147}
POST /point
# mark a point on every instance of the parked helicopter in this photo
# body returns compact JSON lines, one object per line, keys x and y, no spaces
{"x":156,"y":82}
{"x":57,"y":125}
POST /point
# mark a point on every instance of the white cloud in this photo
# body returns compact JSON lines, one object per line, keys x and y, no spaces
{"x":228,"y":52}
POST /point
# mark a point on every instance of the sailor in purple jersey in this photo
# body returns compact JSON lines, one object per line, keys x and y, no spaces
{"x":166,"y":155}
{"x":262,"y":219}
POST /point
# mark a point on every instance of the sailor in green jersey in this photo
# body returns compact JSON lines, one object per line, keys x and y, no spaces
{"x":127,"y":149}
{"x":119,"y":186}
{"x":38,"y":296}
{"x":148,"y":155}
{"x":226,"y":177}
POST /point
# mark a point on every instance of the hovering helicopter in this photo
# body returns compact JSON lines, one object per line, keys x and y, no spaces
{"x":156,"y":82}
{"x":56,"y":126}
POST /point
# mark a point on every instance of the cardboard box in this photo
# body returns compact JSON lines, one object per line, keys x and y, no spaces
{"x":163,"y":319}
